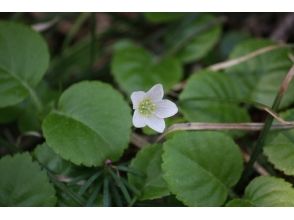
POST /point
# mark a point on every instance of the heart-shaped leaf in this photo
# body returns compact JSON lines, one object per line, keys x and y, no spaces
{"x":24,"y":60}
{"x":23,"y":183}
{"x":135,"y":69}
{"x":92,"y":124}
{"x":266,"y":191}
{"x":147,"y":163}
{"x":200,"y":167}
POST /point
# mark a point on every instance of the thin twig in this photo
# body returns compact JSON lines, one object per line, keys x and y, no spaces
{"x":236,"y":61}
{"x":198,"y":126}
{"x":233,"y":62}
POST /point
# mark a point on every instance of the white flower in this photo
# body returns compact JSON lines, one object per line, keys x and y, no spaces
{"x":151,"y":109}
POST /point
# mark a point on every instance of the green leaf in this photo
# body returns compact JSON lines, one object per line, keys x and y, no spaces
{"x":280,"y":147}
{"x":163,"y":17}
{"x":23,"y":183}
{"x":24,"y":60}
{"x":47,"y":157}
{"x":200,"y":167}
{"x":30,"y":119}
{"x":197,"y":37}
{"x":134,"y":68}
{"x":259,"y":78}
{"x":267,"y":191}
{"x":91,"y":124}
{"x":239,"y":203}
{"x":148,"y":163}
{"x":212,"y":97}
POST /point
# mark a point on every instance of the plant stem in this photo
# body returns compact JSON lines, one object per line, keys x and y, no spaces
{"x":266,"y":128}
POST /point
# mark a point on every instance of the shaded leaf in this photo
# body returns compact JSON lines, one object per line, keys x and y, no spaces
{"x":198,"y":35}
{"x":47,"y":157}
{"x":23,"y":183}
{"x":148,"y":163}
{"x":259,"y":78}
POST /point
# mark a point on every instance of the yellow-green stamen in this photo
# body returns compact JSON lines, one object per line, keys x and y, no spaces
{"x":146,"y":107}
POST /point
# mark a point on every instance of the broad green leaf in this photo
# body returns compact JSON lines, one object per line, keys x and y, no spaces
{"x":163,"y":17}
{"x":280,"y":148}
{"x":24,"y":60}
{"x":134,"y":69}
{"x":91,"y":124}
{"x":23,"y":183}
{"x":267,"y":191}
{"x":148,"y":164}
{"x":47,"y":157}
{"x":197,"y":37}
{"x":212,"y":97}
{"x":201,"y":167}
{"x":259,"y":78}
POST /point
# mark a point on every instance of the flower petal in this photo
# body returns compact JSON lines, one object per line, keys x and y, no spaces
{"x":156,"y":123}
{"x":155,"y":93}
{"x":137,"y":97}
{"x":165,"y":109}
{"x":138,"y":120}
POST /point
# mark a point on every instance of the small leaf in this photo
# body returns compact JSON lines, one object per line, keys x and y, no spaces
{"x":267,"y":191}
{"x":92,"y":124}
{"x":280,"y":147}
{"x":24,"y":60}
{"x":148,"y":163}
{"x":23,"y":183}
{"x":135,"y":69}
{"x":198,"y":35}
{"x":200,"y":167}
{"x":47,"y":157}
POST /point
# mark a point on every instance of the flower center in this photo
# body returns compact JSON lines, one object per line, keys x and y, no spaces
{"x":146,"y":107}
